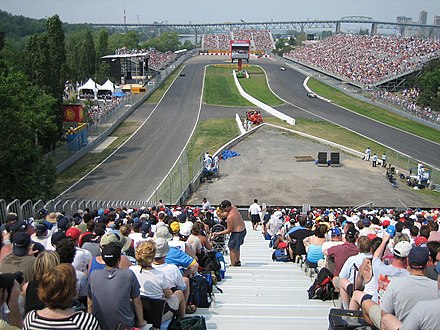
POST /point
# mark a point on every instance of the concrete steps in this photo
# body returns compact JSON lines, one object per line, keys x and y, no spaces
{"x":263,"y":294}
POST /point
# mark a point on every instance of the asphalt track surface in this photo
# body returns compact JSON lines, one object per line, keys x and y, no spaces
{"x":135,"y":170}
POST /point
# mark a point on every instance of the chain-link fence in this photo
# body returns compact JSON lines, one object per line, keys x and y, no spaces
{"x":179,"y":182}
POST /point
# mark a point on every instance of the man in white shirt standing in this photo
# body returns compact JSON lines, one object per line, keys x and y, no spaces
{"x":206,"y":205}
{"x":254,"y":211}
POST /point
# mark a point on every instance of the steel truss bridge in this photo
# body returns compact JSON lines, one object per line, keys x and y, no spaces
{"x":335,"y":25}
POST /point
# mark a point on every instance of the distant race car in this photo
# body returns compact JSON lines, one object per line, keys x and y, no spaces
{"x":283,"y":69}
{"x":182,"y":74}
{"x":311,"y":95}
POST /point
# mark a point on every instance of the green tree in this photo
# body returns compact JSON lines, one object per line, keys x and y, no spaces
{"x":129,"y":40}
{"x":26,"y":113}
{"x":37,"y":61}
{"x":57,"y":56}
{"x":429,"y":86}
{"x":326,"y":34}
{"x":102,"y":43}
{"x":86,"y":57}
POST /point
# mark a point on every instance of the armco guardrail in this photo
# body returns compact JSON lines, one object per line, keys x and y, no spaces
{"x":110,"y":126}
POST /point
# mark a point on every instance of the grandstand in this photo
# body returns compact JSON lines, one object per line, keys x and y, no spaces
{"x":261,"y":41}
{"x":366,"y":61}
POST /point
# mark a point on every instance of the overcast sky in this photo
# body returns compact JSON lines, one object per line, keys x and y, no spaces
{"x":215,"y":11}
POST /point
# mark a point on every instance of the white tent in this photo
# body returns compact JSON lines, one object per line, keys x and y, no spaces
{"x":90,"y":88}
{"x":108,"y":89}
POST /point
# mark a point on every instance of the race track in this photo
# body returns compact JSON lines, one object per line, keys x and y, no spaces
{"x":136,"y":169}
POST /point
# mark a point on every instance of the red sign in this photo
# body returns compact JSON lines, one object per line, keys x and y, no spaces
{"x":73,"y":113}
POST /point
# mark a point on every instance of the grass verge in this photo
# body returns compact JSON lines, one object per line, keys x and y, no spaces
{"x":210,"y":135}
{"x":89,"y":161}
{"x":256,"y":86}
{"x":220,"y":88}
{"x":373,"y":112}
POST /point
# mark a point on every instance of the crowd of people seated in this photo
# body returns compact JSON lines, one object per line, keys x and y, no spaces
{"x":214,"y":41}
{"x":367,"y":60}
{"x":261,"y":40}
{"x":157,"y":60}
{"x":382,"y":261}
{"x":407,"y":102}
{"x":100,"y":267}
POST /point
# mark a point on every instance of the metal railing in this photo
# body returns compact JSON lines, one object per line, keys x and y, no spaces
{"x":29,"y":209}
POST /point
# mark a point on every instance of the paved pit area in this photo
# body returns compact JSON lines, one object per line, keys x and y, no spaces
{"x":267,"y":169}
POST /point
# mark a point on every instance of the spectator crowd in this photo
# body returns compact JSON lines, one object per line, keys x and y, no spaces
{"x":383,"y":262}
{"x":366,"y":60}
{"x":157,"y":60}
{"x":407,"y":101}
{"x":261,"y":40}
{"x":102,"y":267}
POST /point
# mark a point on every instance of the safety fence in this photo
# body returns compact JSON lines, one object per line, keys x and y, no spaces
{"x":29,"y":209}
{"x":180,"y":182}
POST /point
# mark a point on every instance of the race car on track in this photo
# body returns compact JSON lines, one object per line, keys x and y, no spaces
{"x":311,"y":95}
{"x":283,"y":69}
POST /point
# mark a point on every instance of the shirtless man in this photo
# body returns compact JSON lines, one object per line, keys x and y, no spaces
{"x":237,"y":228}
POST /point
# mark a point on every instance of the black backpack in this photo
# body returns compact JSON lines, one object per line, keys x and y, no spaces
{"x":210,"y":262}
{"x":322,"y":288}
{"x":199,"y":291}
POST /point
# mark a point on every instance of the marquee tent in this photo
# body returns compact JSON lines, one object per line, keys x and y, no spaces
{"x":88,"y":90}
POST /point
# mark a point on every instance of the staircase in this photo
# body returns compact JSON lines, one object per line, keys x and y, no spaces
{"x":263,"y":294}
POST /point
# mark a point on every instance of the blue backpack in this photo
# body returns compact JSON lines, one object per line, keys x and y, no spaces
{"x":280,"y":255}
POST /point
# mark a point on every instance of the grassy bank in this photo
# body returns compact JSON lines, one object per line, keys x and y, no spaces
{"x":89,"y":161}
{"x":374,"y":112}
{"x":210,"y":135}
{"x":220,"y":88}
{"x":257,"y":87}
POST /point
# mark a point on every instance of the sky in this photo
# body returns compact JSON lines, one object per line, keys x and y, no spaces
{"x":215,"y":11}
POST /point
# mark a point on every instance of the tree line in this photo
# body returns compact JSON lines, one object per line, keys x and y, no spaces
{"x":37,"y":58}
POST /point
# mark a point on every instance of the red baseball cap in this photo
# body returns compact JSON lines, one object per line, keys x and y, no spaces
{"x":73,"y":233}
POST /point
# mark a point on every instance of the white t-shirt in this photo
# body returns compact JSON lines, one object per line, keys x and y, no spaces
{"x":82,"y":259}
{"x":137,"y":238}
{"x":254,"y":209}
{"x":172,"y":274}
{"x":177,"y":243}
{"x":152,"y":282}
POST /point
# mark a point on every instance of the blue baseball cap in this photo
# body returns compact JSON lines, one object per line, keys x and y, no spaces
{"x":336,"y":232}
{"x":391,"y":230}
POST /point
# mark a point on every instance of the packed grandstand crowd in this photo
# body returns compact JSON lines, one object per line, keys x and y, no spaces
{"x":366,"y":60}
{"x":407,"y":100}
{"x":387,"y":246}
{"x":157,"y":60}
{"x":261,"y":40}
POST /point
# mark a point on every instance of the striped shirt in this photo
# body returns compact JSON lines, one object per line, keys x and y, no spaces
{"x":78,"y":321}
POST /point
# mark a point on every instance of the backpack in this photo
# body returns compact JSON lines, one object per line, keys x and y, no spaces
{"x":322,"y":288}
{"x":200,"y":291}
{"x":210,"y":262}
{"x":188,"y":323}
{"x":280,"y":255}
{"x":220,"y":274}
